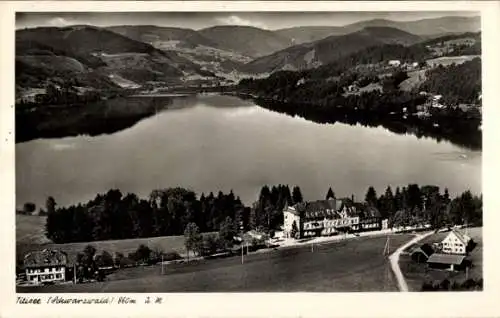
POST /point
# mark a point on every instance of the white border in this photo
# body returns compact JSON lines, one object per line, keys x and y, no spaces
{"x":484,"y":304}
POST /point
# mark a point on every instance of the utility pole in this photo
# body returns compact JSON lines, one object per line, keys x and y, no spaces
{"x":242,"y":241}
{"x":162,"y":263}
{"x":386,"y":247}
{"x":74,"y":273}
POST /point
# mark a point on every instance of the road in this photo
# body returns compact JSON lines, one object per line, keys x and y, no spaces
{"x":394,"y":259}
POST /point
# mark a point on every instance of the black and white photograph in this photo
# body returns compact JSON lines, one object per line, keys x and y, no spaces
{"x":248,"y":151}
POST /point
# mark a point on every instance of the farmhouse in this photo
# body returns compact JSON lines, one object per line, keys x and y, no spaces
{"x":329,"y":217}
{"x":456,"y":243}
{"x":45,"y":266}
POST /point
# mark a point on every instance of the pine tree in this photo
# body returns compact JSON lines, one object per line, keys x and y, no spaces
{"x":296,"y":195}
{"x":371,"y":196}
{"x":50,"y":205}
{"x":446,"y":196}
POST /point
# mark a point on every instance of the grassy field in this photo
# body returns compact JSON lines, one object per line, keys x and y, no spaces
{"x":30,"y":229}
{"x":163,"y":243}
{"x":448,"y":60}
{"x":416,"y":78}
{"x":352,"y":265}
{"x":416,"y":274}
{"x":30,"y":236}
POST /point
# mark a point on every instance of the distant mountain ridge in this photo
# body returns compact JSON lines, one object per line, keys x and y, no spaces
{"x":110,"y":56}
{"x":330,"y":49}
{"x":150,"y":33}
{"x":426,"y":27}
{"x":250,"y":41}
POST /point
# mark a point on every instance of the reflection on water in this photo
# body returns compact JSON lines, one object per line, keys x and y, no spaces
{"x":212,"y":143}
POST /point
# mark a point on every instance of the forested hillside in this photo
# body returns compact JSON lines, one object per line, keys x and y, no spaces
{"x":92,"y":54}
{"x":330,"y":49}
{"x":456,"y":83}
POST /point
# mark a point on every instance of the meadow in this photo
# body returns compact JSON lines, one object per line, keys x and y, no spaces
{"x":30,"y":237}
{"x":352,"y":265}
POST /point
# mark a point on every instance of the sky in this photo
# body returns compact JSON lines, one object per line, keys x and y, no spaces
{"x":199,"y":20}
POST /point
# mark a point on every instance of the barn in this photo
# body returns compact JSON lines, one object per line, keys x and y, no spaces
{"x":450,"y":262}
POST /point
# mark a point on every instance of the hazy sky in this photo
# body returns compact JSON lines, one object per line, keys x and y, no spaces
{"x":199,"y":20}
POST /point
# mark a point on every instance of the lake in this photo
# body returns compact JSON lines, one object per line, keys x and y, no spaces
{"x":212,"y":143}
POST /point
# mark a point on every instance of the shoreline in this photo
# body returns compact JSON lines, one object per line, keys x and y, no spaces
{"x":43,"y":123}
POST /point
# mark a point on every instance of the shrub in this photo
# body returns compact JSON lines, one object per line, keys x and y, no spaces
{"x":445,"y":285}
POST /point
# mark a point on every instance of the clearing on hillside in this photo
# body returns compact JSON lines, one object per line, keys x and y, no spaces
{"x":30,"y":229}
{"x":448,"y":60}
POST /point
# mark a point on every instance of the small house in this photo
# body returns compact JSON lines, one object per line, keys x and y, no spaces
{"x":301,"y":81}
{"x":436,"y":97}
{"x":45,"y":266}
{"x":395,"y":63}
{"x":352,"y":88}
{"x":422,"y":253}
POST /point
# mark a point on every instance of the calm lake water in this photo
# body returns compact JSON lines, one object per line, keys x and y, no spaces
{"x":212,"y":143}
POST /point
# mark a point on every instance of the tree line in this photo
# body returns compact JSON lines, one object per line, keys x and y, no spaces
{"x":177,"y":211}
{"x":417,"y":205}
{"x":116,"y":216}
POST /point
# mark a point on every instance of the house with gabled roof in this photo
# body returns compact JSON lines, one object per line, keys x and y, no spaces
{"x":46,"y":266}
{"x":421,"y":254}
{"x":455,"y":242}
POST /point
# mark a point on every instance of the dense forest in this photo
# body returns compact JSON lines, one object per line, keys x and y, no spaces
{"x":117,"y":216}
{"x":456,"y":83}
{"x":169,"y":212}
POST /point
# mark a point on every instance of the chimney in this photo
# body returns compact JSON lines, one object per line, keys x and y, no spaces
{"x":352,"y":198}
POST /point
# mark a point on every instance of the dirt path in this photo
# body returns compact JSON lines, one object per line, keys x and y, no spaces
{"x":394,"y":259}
